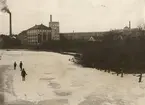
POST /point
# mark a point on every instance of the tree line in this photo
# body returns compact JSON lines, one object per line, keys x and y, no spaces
{"x":9,"y":42}
{"x":116,"y":54}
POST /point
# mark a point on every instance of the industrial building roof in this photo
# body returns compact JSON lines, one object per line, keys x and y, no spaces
{"x":41,"y":26}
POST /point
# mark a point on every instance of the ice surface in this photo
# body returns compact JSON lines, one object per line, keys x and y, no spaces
{"x":53,"y":79}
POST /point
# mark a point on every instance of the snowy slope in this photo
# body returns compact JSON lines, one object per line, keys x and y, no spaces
{"x":53,"y":78}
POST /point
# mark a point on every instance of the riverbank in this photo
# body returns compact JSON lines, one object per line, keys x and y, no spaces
{"x":3,"y":69}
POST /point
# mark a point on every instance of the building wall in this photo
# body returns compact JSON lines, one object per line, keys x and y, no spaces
{"x":1,"y":42}
{"x":23,"y":38}
{"x":82,"y":35}
{"x":55,"y":30}
{"x":38,"y":36}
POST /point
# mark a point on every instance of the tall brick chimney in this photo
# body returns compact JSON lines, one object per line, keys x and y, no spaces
{"x":10,"y":23}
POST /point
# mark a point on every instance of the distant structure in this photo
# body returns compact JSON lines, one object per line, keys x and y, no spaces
{"x":41,"y":33}
{"x":129,"y":25}
{"x":1,"y":42}
{"x":86,"y":36}
{"x":35,"y":35}
{"x":38,"y":34}
{"x":92,"y":39}
{"x":55,"y":29}
{"x":23,"y":37}
{"x":10,"y":14}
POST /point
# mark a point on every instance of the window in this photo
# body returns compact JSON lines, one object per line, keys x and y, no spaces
{"x":44,"y":36}
{"x":39,"y":38}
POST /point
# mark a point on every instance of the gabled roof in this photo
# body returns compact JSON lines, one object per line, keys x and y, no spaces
{"x":41,"y":26}
{"x":23,"y":32}
{"x":92,"y":39}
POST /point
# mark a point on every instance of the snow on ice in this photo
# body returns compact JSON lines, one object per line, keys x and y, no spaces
{"x":52,"y":79}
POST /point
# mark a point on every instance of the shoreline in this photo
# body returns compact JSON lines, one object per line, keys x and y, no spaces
{"x":3,"y":69}
{"x":61,"y":52}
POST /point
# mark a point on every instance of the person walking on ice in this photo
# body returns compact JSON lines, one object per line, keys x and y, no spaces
{"x":121,"y":73}
{"x":15,"y":65}
{"x":140,"y":78}
{"x":23,"y":74}
{"x":21,"y":65}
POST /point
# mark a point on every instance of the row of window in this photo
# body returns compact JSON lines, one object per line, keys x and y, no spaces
{"x":38,"y":31}
{"x":29,"y":36}
{"x":36,"y":39}
{"x":32,"y":38}
{"x":55,"y":37}
{"x":33,"y":43}
{"x":54,"y":24}
{"x":39,"y":34}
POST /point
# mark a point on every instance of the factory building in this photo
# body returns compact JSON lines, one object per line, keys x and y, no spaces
{"x":41,"y":33}
{"x":86,"y":36}
{"x":38,"y":34}
{"x":23,"y":37}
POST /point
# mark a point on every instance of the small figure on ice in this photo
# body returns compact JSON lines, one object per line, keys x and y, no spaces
{"x":117,"y":73}
{"x":21,"y":65}
{"x":15,"y":65}
{"x":121,"y":73}
{"x":23,"y":74}
{"x":140,"y":77}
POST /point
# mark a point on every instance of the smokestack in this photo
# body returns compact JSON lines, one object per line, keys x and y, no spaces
{"x":10,"y":23}
{"x":6,"y":10}
{"x":50,"y":18}
{"x":129,"y":25}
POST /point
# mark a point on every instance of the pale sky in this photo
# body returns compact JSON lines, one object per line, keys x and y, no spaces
{"x":77,"y":15}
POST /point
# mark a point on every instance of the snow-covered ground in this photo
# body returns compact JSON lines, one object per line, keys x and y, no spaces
{"x":53,"y":80}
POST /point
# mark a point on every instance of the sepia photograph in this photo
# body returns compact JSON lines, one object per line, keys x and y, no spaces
{"x":72,"y":52}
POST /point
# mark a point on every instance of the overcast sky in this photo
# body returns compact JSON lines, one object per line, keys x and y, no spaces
{"x":77,"y":15}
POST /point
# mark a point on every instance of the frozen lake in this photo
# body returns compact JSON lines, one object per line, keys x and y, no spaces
{"x":53,"y":80}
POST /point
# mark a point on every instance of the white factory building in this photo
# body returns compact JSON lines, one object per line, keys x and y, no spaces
{"x":40,"y":33}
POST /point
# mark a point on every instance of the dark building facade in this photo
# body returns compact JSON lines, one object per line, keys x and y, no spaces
{"x":23,"y":37}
